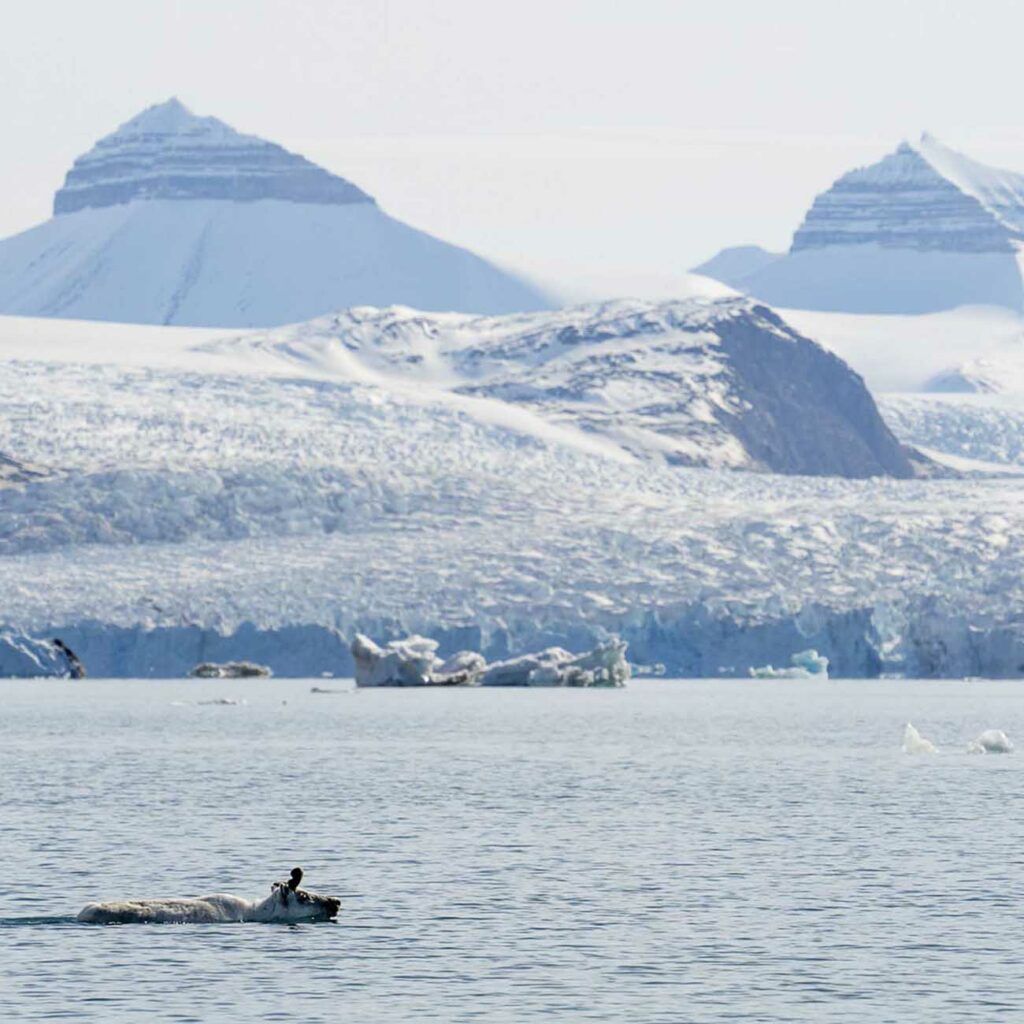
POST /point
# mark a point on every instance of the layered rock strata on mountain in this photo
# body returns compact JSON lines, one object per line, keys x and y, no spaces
{"x":179,"y":219}
{"x":166,"y":152}
{"x":923,"y":229}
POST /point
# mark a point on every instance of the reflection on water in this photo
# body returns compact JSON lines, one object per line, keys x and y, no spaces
{"x":750,"y":851}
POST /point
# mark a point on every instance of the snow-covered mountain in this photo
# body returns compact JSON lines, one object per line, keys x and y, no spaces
{"x":923,"y":229}
{"x":698,"y":382}
{"x":214,"y":496}
{"x":179,"y":219}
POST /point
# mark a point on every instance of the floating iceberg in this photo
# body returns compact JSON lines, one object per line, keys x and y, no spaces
{"x":229,"y":670}
{"x":605,"y":665}
{"x":915,"y":743}
{"x":412,"y":662}
{"x":805,"y":665}
{"x":991,"y":741}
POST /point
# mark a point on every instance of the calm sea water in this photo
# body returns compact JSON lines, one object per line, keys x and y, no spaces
{"x":677,"y":851}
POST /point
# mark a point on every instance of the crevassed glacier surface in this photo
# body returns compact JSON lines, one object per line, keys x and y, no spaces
{"x":202,"y":500}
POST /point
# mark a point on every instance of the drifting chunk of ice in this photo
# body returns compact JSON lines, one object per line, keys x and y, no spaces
{"x":467,"y":663}
{"x":229,"y":670}
{"x":412,"y":662}
{"x":605,"y":665}
{"x":915,"y":743}
{"x":805,"y":665}
{"x":991,"y":741}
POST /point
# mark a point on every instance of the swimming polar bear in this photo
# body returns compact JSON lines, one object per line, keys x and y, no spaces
{"x":286,"y":904}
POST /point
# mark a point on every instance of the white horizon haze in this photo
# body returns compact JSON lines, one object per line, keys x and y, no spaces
{"x":597,"y":148}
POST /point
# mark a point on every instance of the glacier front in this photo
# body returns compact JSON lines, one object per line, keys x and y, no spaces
{"x":190,"y":496}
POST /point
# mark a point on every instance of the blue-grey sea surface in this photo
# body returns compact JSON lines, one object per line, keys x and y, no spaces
{"x":672,"y":852}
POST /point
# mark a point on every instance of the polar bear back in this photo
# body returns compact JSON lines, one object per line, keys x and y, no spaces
{"x":214,"y":909}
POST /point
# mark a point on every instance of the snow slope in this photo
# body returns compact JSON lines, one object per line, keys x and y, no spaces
{"x":701,"y":382}
{"x":208,"y":499}
{"x":872,"y":278}
{"x":176,"y":219}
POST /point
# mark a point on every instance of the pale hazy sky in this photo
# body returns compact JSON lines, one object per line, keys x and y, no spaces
{"x":582,"y":140}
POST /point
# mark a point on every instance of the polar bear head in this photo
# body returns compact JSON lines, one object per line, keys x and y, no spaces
{"x":287,"y":904}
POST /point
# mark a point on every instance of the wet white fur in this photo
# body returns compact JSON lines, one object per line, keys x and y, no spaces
{"x":220,"y":908}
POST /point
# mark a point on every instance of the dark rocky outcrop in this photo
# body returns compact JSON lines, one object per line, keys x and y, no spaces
{"x":25,"y":657}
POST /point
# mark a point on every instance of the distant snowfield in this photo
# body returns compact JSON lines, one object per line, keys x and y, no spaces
{"x":192,"y":479}
{"x":905,"y":353}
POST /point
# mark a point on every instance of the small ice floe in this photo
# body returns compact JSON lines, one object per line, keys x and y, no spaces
{"x":804,"y":665}
{"x":412,"y":662}
{"x":915,"y":743}
{"x":223,"y":702}
{"x":991,"y":741}
{"x":229,"y":670}
{"x":653,"y":670}
{"x":605,"y":665}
